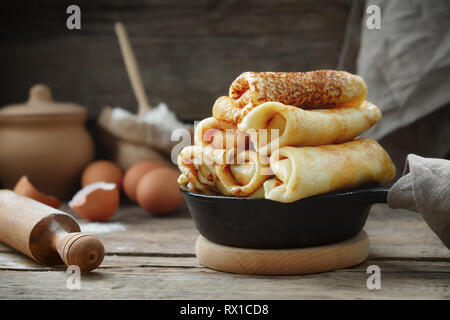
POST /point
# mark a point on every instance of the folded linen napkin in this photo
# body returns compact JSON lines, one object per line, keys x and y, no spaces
{"x":425,"y":188}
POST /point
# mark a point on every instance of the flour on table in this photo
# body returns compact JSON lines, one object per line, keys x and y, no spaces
{"x":102,"y":227}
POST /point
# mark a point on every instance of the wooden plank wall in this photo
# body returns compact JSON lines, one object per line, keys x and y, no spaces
{"x":189,"y":51}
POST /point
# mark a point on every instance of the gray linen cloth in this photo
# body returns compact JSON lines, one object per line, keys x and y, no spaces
{"x":425,"y":188}
{"x":406,"y":63}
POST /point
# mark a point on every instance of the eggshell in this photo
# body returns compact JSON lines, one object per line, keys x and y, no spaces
{"x":25,"y":188}
{"x":158,"y":191}
{"x":97,"y":201}
{"x":135,"y":173}
{"x":102,"y":171}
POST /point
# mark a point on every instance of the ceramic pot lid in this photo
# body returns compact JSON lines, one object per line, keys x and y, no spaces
{"x":41,"y":104}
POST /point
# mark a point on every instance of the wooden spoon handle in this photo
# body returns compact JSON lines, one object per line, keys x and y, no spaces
{"x":132,"y":68}
{"x":80,"y":249}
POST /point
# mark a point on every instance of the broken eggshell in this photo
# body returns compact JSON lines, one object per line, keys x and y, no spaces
{"x":25,"y":188}
{"x":96,"y":201}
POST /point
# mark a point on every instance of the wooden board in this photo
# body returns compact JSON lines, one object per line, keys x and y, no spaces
{"x":283,"y":262}
{"x":154,"y":258}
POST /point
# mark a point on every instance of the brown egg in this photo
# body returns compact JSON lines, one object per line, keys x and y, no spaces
{"x":158,"y":191}
{"x":102,"y":171}
{"x":135,"y":173}
{"x":97,"y":201}
{"x":25,"y":188}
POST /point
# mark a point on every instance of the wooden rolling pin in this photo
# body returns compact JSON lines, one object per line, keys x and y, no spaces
{"x":47,"y":235}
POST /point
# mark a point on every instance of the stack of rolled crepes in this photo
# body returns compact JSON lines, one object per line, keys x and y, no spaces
{"x":286,"y":136}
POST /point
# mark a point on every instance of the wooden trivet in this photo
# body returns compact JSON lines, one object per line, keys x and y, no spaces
{"x":283,"y":261}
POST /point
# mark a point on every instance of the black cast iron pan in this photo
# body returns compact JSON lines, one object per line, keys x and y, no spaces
{"x":266,"y":224}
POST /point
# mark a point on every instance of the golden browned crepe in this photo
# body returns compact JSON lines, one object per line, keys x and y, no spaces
{"x":297,"y":127}
{"x":219,"y":134}
{"x":230,"y":172}
{"x":307,"y":171}
{"x":315,"y":89}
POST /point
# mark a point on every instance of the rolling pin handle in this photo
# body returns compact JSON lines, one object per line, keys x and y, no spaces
{"x":80,"y":249}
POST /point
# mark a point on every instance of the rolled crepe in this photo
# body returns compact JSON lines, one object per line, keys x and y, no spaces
{"x":230,"y":172}
{"x":308,"y":171}
{"x":197,"y":175}
{"x":296,"y":127}
{"x":220,"y":134}
{"x":315,"y":89}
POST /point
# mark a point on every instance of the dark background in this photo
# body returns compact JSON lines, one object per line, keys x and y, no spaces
{"x":189,"y":51}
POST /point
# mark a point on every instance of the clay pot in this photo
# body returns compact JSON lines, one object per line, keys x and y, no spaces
{"x":46,"y":141}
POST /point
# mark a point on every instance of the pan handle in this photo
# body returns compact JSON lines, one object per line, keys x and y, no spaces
{"x":376,"y":194}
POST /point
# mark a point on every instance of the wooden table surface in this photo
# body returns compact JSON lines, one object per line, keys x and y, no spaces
{"x":153,"y":258}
